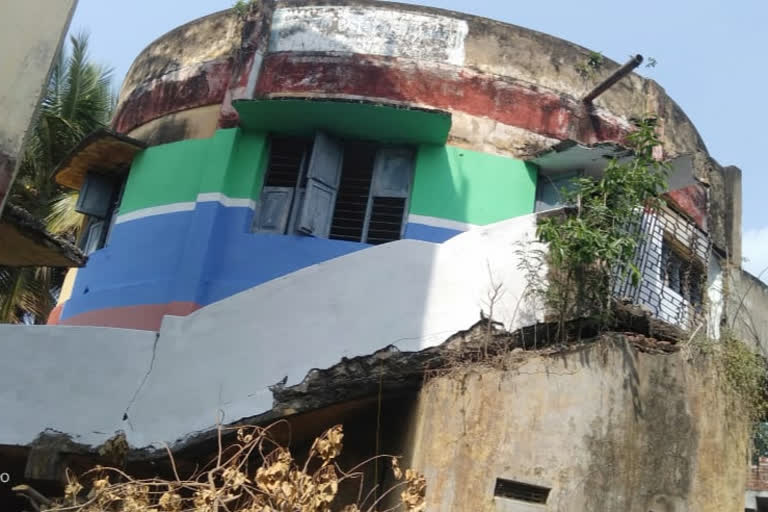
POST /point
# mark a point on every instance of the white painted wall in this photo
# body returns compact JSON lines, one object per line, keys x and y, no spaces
{"x":77,"y":380}
{"x":409,"y":294}
{"x":369,"y":31}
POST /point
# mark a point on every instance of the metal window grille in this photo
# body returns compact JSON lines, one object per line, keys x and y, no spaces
{"x":673,"y":258}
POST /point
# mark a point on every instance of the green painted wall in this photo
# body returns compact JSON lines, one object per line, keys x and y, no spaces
{"x":468,"y":186}
{"x":347,"y":119}
{"x":230,"y":162}
{"x":449,"y":182}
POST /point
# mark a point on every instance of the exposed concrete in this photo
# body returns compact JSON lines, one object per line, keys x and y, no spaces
{"x":746,"y":308}
{"x":604,"y":426}
{"x":732,"y":221}
{"x":194,"y":123}
{"x":215,"y":37}
{"x":254,"y":40}
{"x":493,"y":65}
{"x":30,"y":35}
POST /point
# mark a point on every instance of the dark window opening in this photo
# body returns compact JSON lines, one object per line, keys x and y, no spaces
{"x":329,"y":188}
{"x":680,"y":274}
{"x":286,"y":158}
{"x":354,"y":191}
{"x":520,"y":491}
{"x":386,"y":219}
{"x":99,"y":200}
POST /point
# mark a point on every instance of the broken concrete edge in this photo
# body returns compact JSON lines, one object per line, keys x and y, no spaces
{"x":33,"y":229}
{"x":385,"y":373}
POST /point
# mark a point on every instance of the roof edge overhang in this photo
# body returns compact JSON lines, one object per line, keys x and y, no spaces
{"x":103,"y":151}
{"x":359,"y":119}
{"x":24,"y":242}
{"x":568,"y":156}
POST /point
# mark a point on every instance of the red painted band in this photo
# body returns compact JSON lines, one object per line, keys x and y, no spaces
{"x":145,"y":317}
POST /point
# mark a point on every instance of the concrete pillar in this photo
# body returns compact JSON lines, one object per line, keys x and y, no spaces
{"x":30,"y":37}
{"x":732,"y":178}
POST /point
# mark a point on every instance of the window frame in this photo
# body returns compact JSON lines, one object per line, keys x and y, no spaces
{"x":688,"y":269}
{"x":330,"y":184}
{"x":91,"y":240}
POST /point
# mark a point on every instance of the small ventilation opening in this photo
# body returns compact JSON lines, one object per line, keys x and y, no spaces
{"x":519,"y":491}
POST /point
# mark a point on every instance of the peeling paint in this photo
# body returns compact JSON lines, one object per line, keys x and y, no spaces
{"x":191,"y":87}
{"x":444,"y":87}
{"x":692,"y":200}
{"x":370,"y":31}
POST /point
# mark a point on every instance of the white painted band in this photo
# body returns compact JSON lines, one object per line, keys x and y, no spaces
{"x":370,"y":31}
{"x":155,"y":210}
{"x":208,"y":197}
{"x":233,"y":202}
{"x":437,"y":222}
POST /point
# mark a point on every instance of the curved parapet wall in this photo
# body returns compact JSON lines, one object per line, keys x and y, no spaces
{"x":496,"y":77}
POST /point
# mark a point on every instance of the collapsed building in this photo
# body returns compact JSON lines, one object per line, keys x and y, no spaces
{"x":298,"y":208}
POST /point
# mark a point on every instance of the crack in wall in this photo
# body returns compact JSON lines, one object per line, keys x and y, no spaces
{"x":143,"y":381}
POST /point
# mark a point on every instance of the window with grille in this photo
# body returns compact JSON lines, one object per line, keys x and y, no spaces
{"x":680,"y":274}
{"x":344,"y":190}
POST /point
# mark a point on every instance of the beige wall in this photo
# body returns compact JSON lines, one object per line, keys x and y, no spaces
{"x":31,"y":32}
{"x":606,"y":427}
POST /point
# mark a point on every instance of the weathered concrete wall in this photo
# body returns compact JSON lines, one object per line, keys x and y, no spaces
{"x":604,"y":426}
{"x":747,"y":308}
{"x":387,"y":52}
{"x":30,"y":35}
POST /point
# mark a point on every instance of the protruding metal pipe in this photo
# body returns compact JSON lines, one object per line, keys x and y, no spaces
{"x":615,"y":77}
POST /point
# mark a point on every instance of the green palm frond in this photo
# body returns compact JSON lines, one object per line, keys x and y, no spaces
{"x":62,"y":217}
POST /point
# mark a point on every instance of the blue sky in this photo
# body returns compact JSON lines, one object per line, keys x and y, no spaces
{"x":710,"y":59}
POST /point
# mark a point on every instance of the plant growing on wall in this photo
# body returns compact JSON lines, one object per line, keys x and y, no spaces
{"x":589,"y":67}
{"x":241,"y":7}
{"x":594,"y":243}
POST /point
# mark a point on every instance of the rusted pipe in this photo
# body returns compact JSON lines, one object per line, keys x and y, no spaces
{"x":615,"y":77}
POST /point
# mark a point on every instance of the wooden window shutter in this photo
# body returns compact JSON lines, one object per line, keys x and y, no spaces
{"x":322,"y":184}
{"x":390,"y":189}
{"x":273,"y":210}
{"x":95,"y":197}
{"x":94,"y":235}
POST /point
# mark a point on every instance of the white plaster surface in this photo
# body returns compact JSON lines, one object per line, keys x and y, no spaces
{"x":409,"y":294}
{"x":371,"y":31}
{"x":77,"y":380}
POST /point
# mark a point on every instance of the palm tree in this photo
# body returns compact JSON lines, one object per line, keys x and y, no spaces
{"x":78,"y":100}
